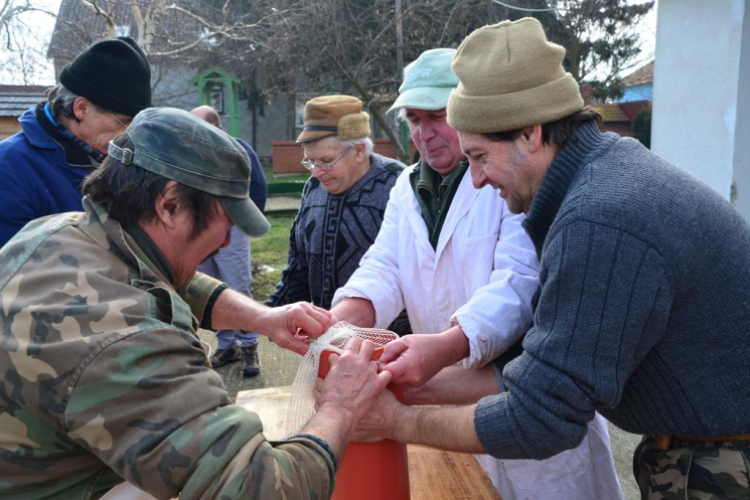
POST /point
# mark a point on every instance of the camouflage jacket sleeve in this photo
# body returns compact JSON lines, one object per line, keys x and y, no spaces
{"x":201,"y":293}
{"x":150,"y":408}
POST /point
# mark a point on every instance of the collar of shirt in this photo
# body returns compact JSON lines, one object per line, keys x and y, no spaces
{"x":435,"y":194}
{"x":108,"y":233}
{"x":150,"y":250}
{"x":77,"y":153}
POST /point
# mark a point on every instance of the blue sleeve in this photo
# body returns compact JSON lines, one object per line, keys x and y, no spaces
{"x":258,"y":183}
{"x":16,"y":204}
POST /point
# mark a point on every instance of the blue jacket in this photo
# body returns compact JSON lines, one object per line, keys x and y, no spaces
{"x":35,"y":179}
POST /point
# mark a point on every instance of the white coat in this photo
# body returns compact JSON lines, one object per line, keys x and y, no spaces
{"x":484,"y":276}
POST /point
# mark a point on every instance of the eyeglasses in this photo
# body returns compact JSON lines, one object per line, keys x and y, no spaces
{"x":120,"y":122}
{"x":325,"y":167}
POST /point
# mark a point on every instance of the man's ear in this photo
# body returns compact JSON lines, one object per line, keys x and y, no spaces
{"x":359,"y":151}
{"x":532,"y":138}
{"x":81,"y":107}
{"x":167,"y":205}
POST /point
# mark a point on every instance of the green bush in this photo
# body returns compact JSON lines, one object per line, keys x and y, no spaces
{"x":642,"y":127}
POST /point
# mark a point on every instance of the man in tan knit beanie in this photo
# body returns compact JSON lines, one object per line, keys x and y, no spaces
{"x":643,"y":312}
{"x":524,"y":86}
{"x":466,"y":271}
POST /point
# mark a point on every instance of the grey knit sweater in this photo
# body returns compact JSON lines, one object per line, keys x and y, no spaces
{"x":644,"y":313}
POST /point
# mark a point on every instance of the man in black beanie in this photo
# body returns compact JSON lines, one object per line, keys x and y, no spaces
{"x":65,"y":137}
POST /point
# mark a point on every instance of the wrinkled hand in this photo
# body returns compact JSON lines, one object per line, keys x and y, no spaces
{"x":281,"y":324}
{"x":378,"y":423}
{"x":353,"y":382}
{"x":415,"y":359}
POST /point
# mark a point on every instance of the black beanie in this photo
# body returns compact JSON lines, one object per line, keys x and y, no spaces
{"x":113,"y":73}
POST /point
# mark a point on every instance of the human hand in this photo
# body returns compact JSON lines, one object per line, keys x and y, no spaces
{"x":415,"y":359}
{"x":282,"y":324}
{"x":379,"y":422}
{"x":353,"y":381}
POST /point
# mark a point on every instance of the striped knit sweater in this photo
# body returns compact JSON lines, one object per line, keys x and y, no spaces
{"x":331,"y":234}
{"x":644,"y":313}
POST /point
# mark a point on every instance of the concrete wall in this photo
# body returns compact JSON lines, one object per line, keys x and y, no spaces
{"x":701,"y":84}
{"x":271,"y":127}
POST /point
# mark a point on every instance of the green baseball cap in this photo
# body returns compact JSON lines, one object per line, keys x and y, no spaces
{"x":179,"y":146}
{"x":428,"y":81}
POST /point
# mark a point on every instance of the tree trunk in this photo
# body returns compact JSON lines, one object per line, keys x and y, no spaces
{"x":377,"y":113}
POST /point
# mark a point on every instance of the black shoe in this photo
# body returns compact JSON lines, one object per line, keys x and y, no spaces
{"x":226,"y":356}
{"x":252,"y":367}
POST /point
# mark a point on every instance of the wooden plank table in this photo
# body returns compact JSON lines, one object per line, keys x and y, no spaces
{"x":433,"y":474}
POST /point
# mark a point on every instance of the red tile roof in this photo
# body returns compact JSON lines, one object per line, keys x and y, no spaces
{"x":641,"y":76}
{"x":611,"y":113}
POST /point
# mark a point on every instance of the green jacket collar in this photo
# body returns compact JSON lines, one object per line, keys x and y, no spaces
{"x":108,"y":232}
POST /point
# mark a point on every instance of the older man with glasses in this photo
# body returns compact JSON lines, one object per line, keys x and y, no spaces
{"x":64,"y":138}
{"x":342,"y":204}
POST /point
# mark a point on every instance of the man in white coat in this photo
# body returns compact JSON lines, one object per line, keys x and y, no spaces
{"x":461,"y":264}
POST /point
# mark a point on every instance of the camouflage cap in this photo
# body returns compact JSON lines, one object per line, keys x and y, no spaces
{"x":179,"y":146}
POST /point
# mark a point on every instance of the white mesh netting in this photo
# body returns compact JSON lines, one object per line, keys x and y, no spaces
{"x":302,"y":404}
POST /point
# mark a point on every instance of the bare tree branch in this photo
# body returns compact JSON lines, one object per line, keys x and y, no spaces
{"x":107,"y":16}
{"x":22,"y":56}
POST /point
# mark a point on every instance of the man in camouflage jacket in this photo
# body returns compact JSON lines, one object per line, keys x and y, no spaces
{"x":104,"y":378}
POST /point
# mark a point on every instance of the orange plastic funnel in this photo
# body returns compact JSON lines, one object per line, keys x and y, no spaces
{"x":371,"y":471}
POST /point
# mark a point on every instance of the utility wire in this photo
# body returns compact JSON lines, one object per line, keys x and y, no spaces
{"x":523,"y":9}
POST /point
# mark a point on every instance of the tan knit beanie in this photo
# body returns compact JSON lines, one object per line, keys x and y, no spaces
{"x":510,"y":77}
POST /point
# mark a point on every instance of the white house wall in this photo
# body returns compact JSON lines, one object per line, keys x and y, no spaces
{"x":699,"y":114}
{"x":742,"y":131}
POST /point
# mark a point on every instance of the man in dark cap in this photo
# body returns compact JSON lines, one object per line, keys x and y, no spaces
{"x":105,"y":379}
{"x":64,"y":138}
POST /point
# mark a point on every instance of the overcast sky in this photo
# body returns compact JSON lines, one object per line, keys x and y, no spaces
{"x":41,"y":27}
{"x":39,"y":32}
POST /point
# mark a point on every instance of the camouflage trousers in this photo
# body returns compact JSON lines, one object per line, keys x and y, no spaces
{"x":693,"y":471}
